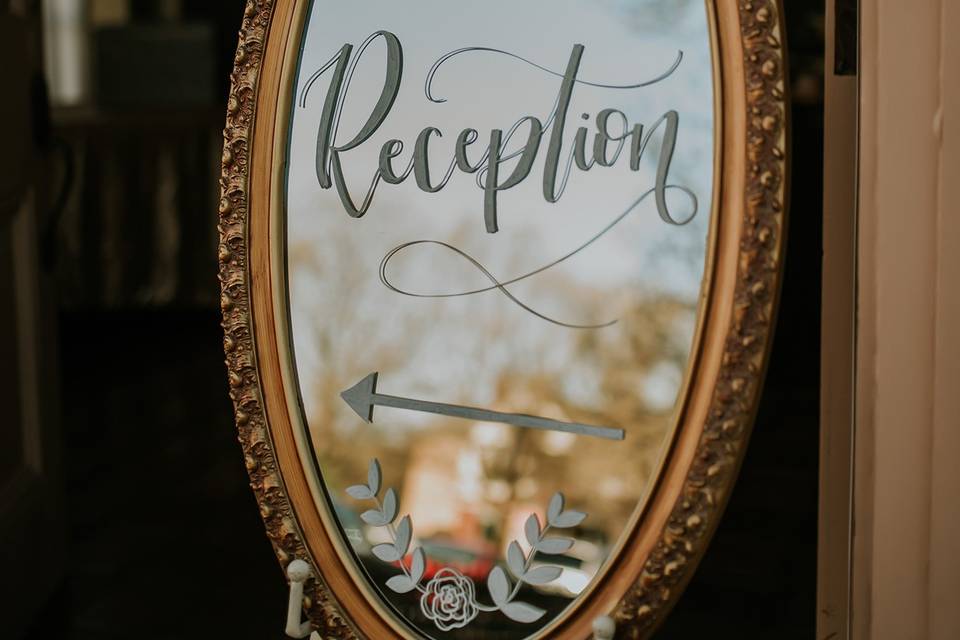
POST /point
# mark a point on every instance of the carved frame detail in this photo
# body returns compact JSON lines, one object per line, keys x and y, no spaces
{"x":727,"y":430}
{"x":722,"y":442}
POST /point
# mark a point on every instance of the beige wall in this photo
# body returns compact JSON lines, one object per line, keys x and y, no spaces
{"x":906,"y":544}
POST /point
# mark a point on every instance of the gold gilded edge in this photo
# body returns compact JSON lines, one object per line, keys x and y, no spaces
{"x":723,"y":441}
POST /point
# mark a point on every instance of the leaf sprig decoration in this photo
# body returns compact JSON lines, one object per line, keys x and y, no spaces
{"x":384,"y":514}
{"x":520,"y":564}
{"x":502,"y":589}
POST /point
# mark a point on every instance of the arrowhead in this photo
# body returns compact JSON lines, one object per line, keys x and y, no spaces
{"x":360,"y":396}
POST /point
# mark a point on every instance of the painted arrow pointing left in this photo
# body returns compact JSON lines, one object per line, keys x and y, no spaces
{"x":363,"y":397}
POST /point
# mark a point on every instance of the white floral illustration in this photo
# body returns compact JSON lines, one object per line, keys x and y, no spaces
{"x":449,"y":598}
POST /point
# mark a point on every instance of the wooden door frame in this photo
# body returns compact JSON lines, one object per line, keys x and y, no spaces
{"x":906,"y":545}
{"x":837,"y":347}
{"x":890,"y":566}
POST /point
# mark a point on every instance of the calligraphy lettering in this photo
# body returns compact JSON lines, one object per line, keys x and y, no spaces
{"x":489,"y":168}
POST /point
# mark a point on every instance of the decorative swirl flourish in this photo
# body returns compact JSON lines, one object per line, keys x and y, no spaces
{"x":496,"y":284}
{"x":302,"y":100}
{"x":428,"y":83}
{"x":502,"y":285}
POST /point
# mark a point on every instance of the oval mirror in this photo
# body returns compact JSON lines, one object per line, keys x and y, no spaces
{"x":498,"y":281}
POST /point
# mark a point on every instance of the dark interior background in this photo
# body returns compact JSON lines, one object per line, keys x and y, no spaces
{"x":758,"y":578}
{"x":160,"y":516}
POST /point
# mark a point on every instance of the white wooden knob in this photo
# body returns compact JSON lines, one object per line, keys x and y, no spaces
{"x":298,"y":571}
{"x":604,"y":628}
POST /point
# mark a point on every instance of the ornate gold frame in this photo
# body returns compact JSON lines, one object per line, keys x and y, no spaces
{"x":684,"y":507}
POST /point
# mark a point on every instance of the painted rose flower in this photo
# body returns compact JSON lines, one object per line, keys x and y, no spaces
{"x":449,"y":600}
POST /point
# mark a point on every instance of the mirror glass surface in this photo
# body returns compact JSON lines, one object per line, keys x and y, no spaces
{"x":522,"y":271}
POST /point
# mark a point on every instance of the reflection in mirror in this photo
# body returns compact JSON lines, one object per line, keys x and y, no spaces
{"x":497,"y":223}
